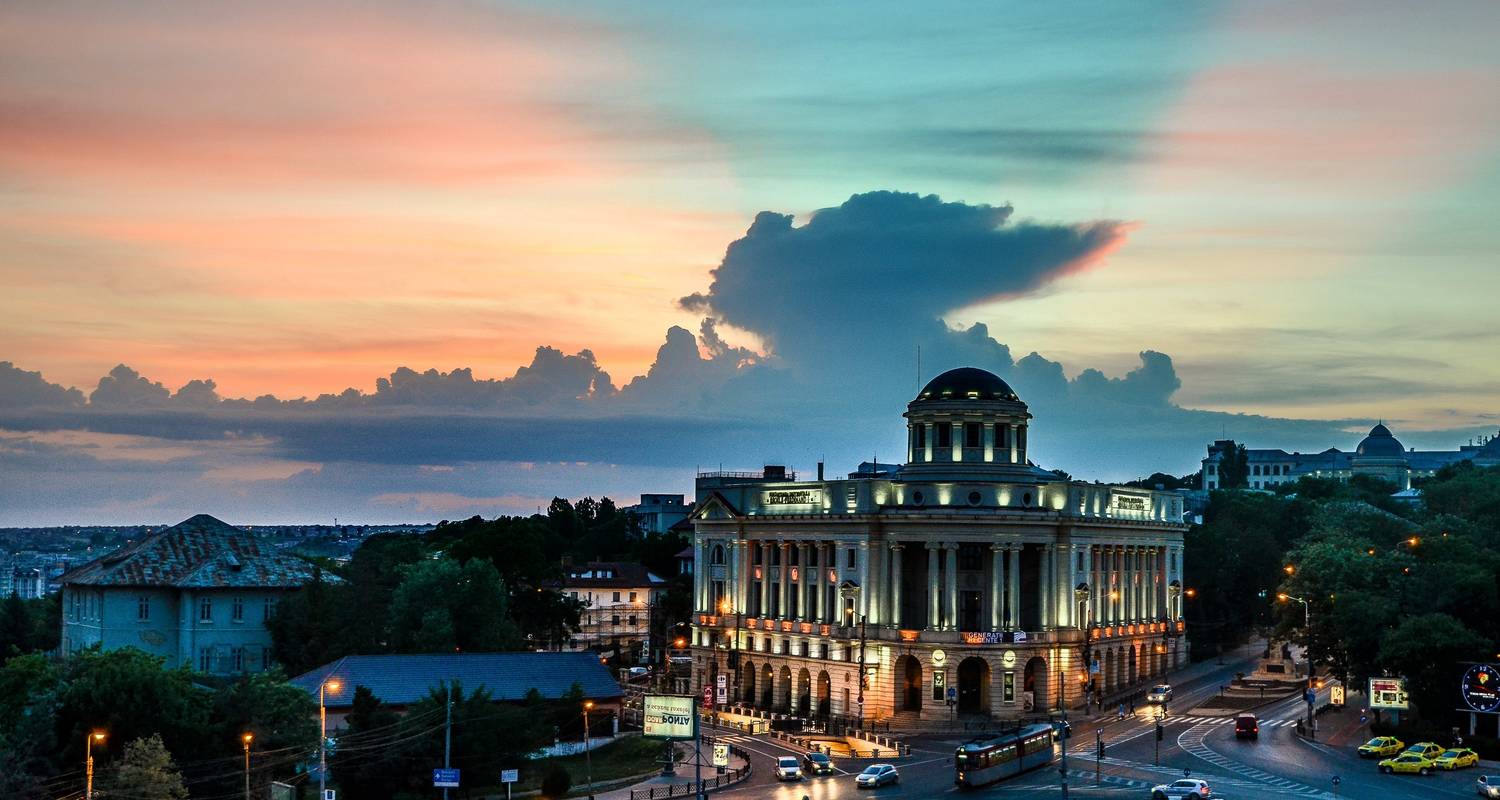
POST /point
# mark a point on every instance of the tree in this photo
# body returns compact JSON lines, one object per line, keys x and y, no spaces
{"x":362,"y":767}
{"x":132,"y":695}
{"x":280,"y":715}
{"x":146,"y":772}
{"x":1234,"y":466}
{"x":1425,"y":648}
{"x":557,"y":782}
{"x":487,"y":736}
{"x":441,"y":606}
{"x":310,"y":625}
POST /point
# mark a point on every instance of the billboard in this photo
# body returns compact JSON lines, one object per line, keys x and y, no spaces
{"x":669,"y":716}
{"x":1479,"y":689}
{"x":1388,"y":693}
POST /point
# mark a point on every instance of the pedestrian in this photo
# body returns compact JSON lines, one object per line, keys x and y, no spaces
{"x":1132,"y":704}
{"x":1122,"y":710}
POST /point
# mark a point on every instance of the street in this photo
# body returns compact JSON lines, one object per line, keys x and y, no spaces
{"x":1278,"y":764}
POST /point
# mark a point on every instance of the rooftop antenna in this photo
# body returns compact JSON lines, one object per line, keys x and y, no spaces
{"x":919,"y":367}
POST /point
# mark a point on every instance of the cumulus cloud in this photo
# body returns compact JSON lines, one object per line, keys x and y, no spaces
{"x":22,"y":389}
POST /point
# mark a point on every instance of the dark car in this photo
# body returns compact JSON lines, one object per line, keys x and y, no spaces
{"x":1246,"y":726}
{"x":817,"y":764}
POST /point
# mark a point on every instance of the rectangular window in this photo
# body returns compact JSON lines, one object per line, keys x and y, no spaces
{"x":849,"y":560}
{"x":237,"y":659}
{"x":944,"y":434}
{"x":617,"y":597}
{"x":265,"y":658}
{"x":973,"y":434}
{"x":970,"y":557}
{"x":1010,"y":687}
{"x":632,"y":597}
{"x":143,"y":607}
{"x":1211,"y":469}
{"x":630,"y":620}
{"x":1002,"y":435}
{"x":614,"y":620}
{"x":239,"y":609}
{"x":919,"y":437}
{"x":205,"y":609}
{"x":205,"y":659}
{"x":269,"y":611}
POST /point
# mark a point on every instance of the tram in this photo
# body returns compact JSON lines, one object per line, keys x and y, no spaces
{"x":984,"y":761}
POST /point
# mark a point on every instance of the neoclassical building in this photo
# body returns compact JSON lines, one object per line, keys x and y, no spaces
{"x":966,"y":574}
{"x":1380,"y":454}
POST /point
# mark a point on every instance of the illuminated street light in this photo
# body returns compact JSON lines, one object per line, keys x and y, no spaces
{"x":247,"y":737}
{"x":332,"y":685}
{"x":88,"y":763}
{"x":1289,"y":569}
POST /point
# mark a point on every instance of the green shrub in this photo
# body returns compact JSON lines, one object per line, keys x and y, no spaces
{"x":558,"y":781}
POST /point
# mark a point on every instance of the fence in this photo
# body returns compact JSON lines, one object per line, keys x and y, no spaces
{"x":733,"y":776}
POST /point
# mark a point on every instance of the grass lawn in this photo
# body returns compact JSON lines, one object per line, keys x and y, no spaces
{"x":630,"y":755}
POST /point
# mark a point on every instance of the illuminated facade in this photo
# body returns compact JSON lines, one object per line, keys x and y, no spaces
{"x":1379,"y":455}
{"x":966,"y":574}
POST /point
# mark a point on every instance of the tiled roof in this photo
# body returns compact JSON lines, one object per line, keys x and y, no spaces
{"x":621,"y":574}
{"x":197,"y":553}
{"x":406,"y":679}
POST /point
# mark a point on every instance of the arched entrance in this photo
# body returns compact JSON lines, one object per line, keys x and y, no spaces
{"x":767,"y":686}
{"x":804,"y":693}
{"x":824,"y":694}
{"x":973,"y":686}
{"x":909,"y":684}
{"x":784,"y":690}
{"x":1035,"y":683}
{"x":1134,"y":659}
{"x":748,"y":670}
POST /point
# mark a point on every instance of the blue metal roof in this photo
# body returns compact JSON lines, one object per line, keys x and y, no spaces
{"x":407,"y":678}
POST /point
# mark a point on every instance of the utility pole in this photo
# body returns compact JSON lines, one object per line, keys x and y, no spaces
{"x":448,"y":736}
{"x":1098,"y":753}
{"x":1062,"y":698}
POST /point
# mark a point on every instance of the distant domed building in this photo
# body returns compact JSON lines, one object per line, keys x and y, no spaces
{"x":965,"y":581}
{"x":1380,"y":454}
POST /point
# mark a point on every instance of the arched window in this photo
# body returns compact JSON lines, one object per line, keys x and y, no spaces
{"x":718,"y":555}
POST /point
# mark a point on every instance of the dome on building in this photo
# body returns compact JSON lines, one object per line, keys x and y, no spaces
{"x":1380,"y":444}
{"x":966,"y":383}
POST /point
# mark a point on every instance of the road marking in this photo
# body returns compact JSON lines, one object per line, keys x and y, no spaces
{"x":1192,"y":742}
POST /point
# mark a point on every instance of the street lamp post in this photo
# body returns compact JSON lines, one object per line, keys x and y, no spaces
{"x":1307,"y":625}
{"x":247,"y":738}
{"x":331,"y":685}
{"x":588,"y":758}
{"x":1084,"y":596}
{"x":850,"y":591}
{"x":88,"y":762}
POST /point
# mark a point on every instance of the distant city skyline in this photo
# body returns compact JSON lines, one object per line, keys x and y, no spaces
{"x":584,"y":251}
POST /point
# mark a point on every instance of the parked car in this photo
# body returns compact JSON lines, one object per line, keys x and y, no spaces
{"x":1195,"y":788}
{"x":817,"y":764}
{"x":1488,"y":785}
{"x":1427,"y":750}
{"x":788,"y":768}
{"x":1161,"y":693}
{"x":1381,"y":747}
{"x":876,"y":775}
{"x":1457,"y":758}
{"x":1408,"y":764}
{"x":1246,"y":726}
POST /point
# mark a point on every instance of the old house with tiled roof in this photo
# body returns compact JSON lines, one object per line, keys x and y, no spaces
{"x":198,"y":593}
{"x":618,"y":600}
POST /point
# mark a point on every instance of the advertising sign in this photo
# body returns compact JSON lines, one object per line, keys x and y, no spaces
{"x":708,"y":697}
{"x":1479,"y":689}
{"x":1336,"y":694}
{"x":1388,"y":693}
{"x":721,"y":755}
{"x":668,"y":716}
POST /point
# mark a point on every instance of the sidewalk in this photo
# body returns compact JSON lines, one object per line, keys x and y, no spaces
{"x":683,"y":776}
{"x":1191,"y":672}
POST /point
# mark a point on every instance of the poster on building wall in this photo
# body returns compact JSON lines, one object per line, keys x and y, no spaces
{"x":668,"y":716}
{"x":1028,"y":701}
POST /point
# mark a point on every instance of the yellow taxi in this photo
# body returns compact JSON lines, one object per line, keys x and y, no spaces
{"x":1381,"y":746}
{"x":1427,"y":750}
{"x":1409,"y":763}
{"x":1457,"y":758}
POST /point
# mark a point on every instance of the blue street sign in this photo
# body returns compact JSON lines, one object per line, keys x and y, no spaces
{"x":445,"y":778}
{"x":1311,"y":697}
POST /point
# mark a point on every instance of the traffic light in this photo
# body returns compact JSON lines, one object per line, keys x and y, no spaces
{"x":1100,"y":748}
{"x":1262,"y":594}
{"x":1160,"y":732}
{"x":734,"y":659}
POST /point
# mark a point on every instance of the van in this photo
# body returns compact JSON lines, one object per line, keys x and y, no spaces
{"x":1246,"y":726}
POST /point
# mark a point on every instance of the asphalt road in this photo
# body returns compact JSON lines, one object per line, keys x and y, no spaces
{"x":1277,"y":765}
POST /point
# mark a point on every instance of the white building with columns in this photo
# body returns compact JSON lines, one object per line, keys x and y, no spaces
{"x":965,"y":577}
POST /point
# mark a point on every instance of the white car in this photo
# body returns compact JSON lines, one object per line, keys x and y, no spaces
{"x":1488,"y":785}
{"x":1179,"y":789}
{"x":788,"y":769}
{"x":876,"y":775}
{"x":1160,"y":693}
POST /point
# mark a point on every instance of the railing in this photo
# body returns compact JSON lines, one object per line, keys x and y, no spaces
{"x":730,"y":777}
{"x":788,"y":476}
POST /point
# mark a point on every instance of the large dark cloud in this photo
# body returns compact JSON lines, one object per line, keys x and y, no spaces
{"x":842,"y":303}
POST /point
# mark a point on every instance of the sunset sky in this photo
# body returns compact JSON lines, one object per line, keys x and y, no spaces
{"x":1279,"y":210}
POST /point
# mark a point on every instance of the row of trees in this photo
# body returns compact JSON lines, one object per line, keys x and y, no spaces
{"x":1392,"y":588}
{"x":29,"y":626}
{"x":474,"y":585}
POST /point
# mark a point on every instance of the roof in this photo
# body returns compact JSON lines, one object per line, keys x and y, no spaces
{"x":686,"y":554}
{"x":1380,"y":444}
{"x":198,"y":553}
{"x":609,"y":574}
{"x":406,"y":679}
{"x":966,"y":383}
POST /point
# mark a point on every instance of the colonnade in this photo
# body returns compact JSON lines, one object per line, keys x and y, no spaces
{"x":1131,"y":583}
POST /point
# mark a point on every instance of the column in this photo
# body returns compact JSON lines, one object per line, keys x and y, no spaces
{"x":803,"y":581}
{"x":815,"y":584}
{"x":934,"y":589}
{"x":700,"y":576}
{"x":997,"y":587}
{"x":1116,"y":553}
{"x":1094,"y":596}
{"x":950,"y":580}
{"x":1045,"y":584}
{"x":894,"y":617}
{"x":864,"y":602}
{"x":1130,"y":610}
{"x":765,"y":579}
{"x":731,"y":575}
{"x":1013,"y":578}
{"x":784,"y":586}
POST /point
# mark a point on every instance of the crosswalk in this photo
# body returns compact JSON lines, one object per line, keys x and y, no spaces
{"x":1184,"y":719}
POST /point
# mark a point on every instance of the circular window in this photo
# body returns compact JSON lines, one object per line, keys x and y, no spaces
{"x":1026,"y":499}
{"x":917,"y":498}
{"x":974,"y":498}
